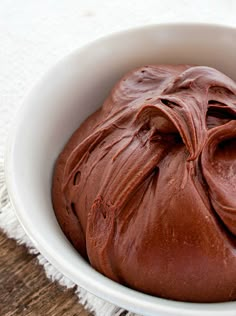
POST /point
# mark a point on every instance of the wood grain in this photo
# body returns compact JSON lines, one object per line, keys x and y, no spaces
{"x":25,"y":290}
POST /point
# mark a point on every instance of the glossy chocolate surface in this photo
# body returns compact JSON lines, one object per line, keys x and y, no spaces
{"x":145,"y":189}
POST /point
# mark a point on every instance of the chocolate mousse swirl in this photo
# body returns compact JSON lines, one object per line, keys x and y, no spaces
{"x":145,"y":189}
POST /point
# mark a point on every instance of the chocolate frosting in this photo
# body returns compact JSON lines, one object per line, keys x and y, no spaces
{"x":145,"y":189}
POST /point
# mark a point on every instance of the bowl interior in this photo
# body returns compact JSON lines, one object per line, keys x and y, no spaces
{"x":65,"y":96}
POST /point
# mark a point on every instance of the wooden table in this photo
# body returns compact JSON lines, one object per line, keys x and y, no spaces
{"x":25,"y":290}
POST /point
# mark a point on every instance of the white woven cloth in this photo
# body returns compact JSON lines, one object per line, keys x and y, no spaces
{"x":35,"y":34}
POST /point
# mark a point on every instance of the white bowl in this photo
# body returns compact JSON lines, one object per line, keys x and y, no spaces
{"x":65,"y":96}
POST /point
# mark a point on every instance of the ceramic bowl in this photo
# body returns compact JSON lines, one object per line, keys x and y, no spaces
{"x":74,"y":88}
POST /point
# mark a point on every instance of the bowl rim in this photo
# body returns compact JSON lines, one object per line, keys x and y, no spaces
{"x":110,"y":290}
